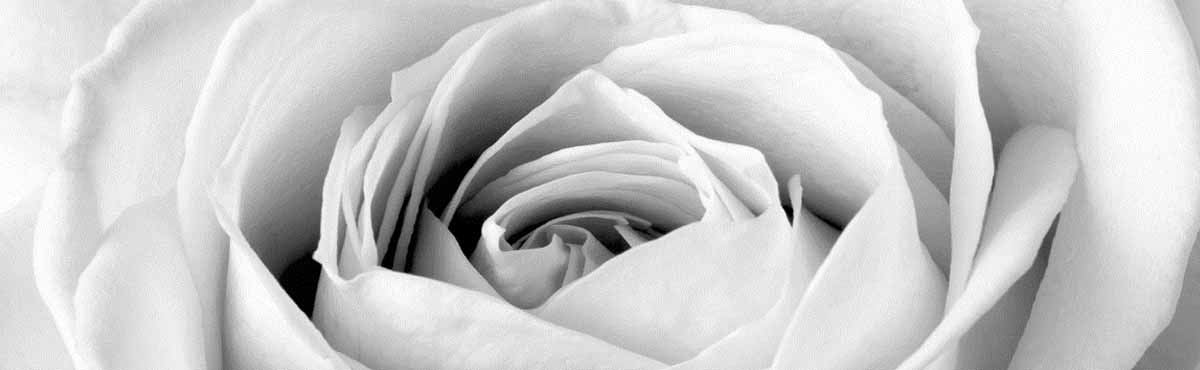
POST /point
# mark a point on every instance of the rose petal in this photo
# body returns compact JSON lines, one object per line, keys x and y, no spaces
{"x":720,"y":274}
{"x":263,"y":328}
{"x":626,"y":157}
{"x":333,"y":223}
{"x":805,"y":105}
{"x":437,"y":255}
{"x":36,"y":343}
{"x":141,"y":265}
{"x":590,"y":109}
{"x":275,"y":162}
{"x":1191,"y":17}
{"x":877,"y":289}
{"x":1121,"y":247}
{"x":740,"y":81}
{"x":926,"y":51}
{"x":536,"y":48}
{"x":121,"y":133}
{"x":1034,"y":174}
{"x":390,"y":320}
{"x":45,"y":42}
{"x":912,"y":129}
{"x":347,"y":49}
{"x":1178,"y":347}
{"x":993,"y":339}
{"x":753,"y":345}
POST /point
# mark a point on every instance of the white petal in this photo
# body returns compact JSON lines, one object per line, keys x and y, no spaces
{"x":345,"y":49}
{"x":1191,"y":16}
{"x":391,"y":320}
{"x":806,"y":107}
{"x":121,"y":135}
{"x":333,"y":222}
{"x":673,"y":296}
{"x":877,"y":290}
{"x":765,"y":77}
{"x":910,"y":126}
{"x":926,"y":51}
{"x":518,"y":63}
{"x":136,"y":305}
{"x":45,"y":41}
{"x":263,"y":328}
{"x":990,"y":344}
{"x":32,"y":340}
{"x":1034,"y":175}
{"x":437,"y":255}
{"x":1120,"y":252}
{"x":753,"y":345}
{"x":1178,"y":347}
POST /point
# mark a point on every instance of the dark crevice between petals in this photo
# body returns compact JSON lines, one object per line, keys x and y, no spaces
{"x":299,"y":280}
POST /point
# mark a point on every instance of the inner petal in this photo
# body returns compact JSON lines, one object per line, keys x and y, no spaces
{"x":527,"y":276}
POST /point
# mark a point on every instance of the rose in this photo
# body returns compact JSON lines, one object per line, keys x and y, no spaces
{"x":83,"y":200}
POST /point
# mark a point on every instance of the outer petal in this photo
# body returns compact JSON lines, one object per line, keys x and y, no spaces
{"x":1191,"y":16}
{"x":878,"y":290}
{"x":136,"y":306}
{"x":44,"y":42}
{"x":391,"y":320}
{"x":926,"y":51}
{"x":286,"y":133}
{"x":518,"y":63}
{"x":121,"y":133}
{"x":1035,"y":172}
{"x":1120,"y":252}
{"x":32,"y":341}
{"x":262,"y":327}
{"x":807,"y":109}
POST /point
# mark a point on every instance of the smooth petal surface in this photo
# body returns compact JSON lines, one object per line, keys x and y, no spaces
{"x":518,"y":63}
{"x":1034,"y":175}
{"x":1178,"y":347}
{"x":1115,"y":273}
{"x":754,"y":345}
{"x":157,"y":323}
{"x":765,"y":77}
{"x":262,"y":327}
{"x":877,"y":289}
{"x":391,"y":320}
{"x":286,"y":132}
{"x":806,"y":107}
{"x":720,"y":275}
{"x":437,"y":255}
{"x":46,"y":41}
{"x":121,"y":136}
{"x":1191,"y":16}
{"x":912,"y":129}
{"x":37,"y":343}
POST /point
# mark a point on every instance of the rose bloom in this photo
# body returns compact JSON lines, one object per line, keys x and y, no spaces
{"x":614,"y":184}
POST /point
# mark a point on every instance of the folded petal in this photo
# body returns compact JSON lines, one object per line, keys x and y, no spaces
{"x":33,"y":341}
{"x":121,"y":134}
{"x":437,"y":255}
{"x":673,"y":296}
{"x":806,"y":106}
{"x":263,"y":328}
{"x":1178,"y":347}
{"x":1191,"y":16}
{"x":1034,"y":175}
{"x":753,"y":345}
{"x":518,"y":63}
{"x":878,"y":290}
{"x":46,"y":41}
{"x":1119,"y":256}
{"x":136,"y":306}
{"x":390,"y":320}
